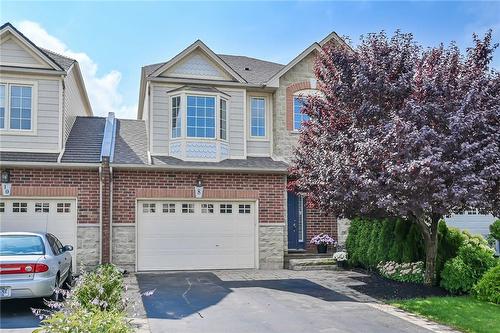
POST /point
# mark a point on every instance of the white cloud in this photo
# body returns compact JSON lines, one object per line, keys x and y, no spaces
{"x":103,"y":90}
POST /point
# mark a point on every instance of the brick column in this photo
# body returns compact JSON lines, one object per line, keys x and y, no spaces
{"x":105,"y":206}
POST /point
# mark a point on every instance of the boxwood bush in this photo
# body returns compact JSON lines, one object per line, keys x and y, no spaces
{"x":488,"y":288}
{"x":461,"y":273}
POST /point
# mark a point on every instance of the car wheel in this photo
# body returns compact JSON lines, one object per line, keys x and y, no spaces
{"x":56,"y":294}
{"x":68,"y":283}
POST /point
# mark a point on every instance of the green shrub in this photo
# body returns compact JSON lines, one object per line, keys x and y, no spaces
{"x":449,"y":241}
{"x":101,"y":289}
{"x":495,"y":229}
{"x":461,"y":273}
{"x":488,"y":288}
{"x":83,"y":320}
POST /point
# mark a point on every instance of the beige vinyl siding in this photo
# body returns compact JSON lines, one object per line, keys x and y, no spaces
{"x":11,"y":53}
{"x":160,"y":110}
{"x":236,"y":109}
{"x":160,"y":121}
{"x":73,"y":103}
{"x":258,"y":148}
{"x":46,"y":136}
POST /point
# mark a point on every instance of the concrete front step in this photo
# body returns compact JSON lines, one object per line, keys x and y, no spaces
{"x":312,"y":264}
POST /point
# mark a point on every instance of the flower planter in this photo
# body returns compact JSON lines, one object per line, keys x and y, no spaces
{"x":322,"y":248}
{"x":342,"y":264}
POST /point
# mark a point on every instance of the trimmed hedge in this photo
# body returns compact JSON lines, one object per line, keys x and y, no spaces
{"x":371,"y":241}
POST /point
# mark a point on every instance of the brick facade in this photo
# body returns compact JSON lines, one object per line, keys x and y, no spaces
{"x":318,"y":222}
{"x":267,"y":188}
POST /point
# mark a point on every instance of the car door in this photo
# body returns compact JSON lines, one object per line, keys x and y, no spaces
{"x":65,"y":254}
{"x":59,"y":255}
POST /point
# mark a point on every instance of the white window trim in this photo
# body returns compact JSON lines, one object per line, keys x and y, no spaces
{"x":219,"y":118}
{"x":172,"y":116}
{"x":34,"y":109}
{"x":183,"y":112}
{"x":267,"y":119}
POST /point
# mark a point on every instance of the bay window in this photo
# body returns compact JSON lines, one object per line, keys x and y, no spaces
{"x":223,"y":119}
{"x":2,"y":106}
{"x":176,"y":117}
{"x":201,"y":117}
{"x":258,"y":117}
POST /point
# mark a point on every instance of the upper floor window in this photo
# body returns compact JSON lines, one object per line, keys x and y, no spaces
{"x":2,"y":106}
{"x":258,"y":117}
{"x":201,"y":117}
{"x":223,"y":119}
{"x":20,"y":107}
{"x":176,"y":116}
{"x":298,"y":116}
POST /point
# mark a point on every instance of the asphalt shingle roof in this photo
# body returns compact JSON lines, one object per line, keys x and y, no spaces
{"x":85,"y":141}
{"x":259,"y":71}
{"x":28,"y":157}
{"x":61,"y":60}
{"x":131,"y":142}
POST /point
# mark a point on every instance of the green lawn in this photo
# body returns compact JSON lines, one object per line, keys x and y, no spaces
{"x":463,"y":313}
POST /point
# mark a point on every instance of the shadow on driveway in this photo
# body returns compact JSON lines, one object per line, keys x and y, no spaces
{"x":16,"y":313}
{"x":187,"y":293}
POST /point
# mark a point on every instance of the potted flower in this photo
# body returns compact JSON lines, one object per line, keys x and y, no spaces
{"x":340,"y":258}
{"x":322,"y":241}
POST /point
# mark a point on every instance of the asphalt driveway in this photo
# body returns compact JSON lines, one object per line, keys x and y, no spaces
{"x":16,"y":315}
{"x":203,"y":302}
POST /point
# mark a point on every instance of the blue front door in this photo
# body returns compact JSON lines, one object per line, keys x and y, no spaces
{"x":296,"y":222}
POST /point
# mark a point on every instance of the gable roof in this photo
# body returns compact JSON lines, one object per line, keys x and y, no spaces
{"x":61,"y":60}
{"x":198,"y":45}
{"x":41,"y":53}
{"x":316,"y":46}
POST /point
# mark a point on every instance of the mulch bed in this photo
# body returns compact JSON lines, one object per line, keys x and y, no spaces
{"x":382,"y":288}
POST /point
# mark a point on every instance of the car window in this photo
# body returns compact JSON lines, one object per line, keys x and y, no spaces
{"x":58,"y":243}
{"x":18,"y":245}
{"x":53,"y":245}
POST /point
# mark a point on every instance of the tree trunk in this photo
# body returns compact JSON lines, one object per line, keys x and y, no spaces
{"x":429,"y":226}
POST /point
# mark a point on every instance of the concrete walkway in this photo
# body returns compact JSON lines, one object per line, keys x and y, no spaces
{"x":265,"y":301}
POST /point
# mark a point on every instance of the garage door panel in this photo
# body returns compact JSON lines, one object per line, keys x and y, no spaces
{"x":196,"y":239}
{"x":55,"y":216}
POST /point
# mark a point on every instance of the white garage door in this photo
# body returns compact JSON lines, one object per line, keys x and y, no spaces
{"x":57,"y":217}
{"x":188,"y":235}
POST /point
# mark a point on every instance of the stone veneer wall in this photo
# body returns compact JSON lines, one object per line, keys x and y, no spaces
{"x":87,"y":246}
{"x":271,"y":246}
{"x":343,"y":230}
{"x":284,"y":140}
{"x":124,"y":246}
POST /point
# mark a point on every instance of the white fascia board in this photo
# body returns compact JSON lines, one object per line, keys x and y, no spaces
{"x":26,"y":70}
{"x":28,"y":43}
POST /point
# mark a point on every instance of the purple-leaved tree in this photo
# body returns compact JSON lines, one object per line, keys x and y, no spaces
{"x":399,"y":130}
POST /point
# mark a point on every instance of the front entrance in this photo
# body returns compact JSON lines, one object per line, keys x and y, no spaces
{"x":296,"y":222}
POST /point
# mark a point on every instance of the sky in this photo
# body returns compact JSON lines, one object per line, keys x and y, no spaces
{"x":112,"y":40}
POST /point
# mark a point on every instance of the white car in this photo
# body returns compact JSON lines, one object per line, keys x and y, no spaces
{"x":33,"y":265}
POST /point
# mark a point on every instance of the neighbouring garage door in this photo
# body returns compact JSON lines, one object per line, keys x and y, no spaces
{"x":189,"y":235}
{"x":57,"y":217}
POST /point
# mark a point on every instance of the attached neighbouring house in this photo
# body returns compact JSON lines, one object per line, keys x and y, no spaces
{"x":198,"y":181}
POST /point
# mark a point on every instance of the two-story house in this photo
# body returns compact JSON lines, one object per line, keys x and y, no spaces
{"x":47,"y":186}
{"x":198,"y":181}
